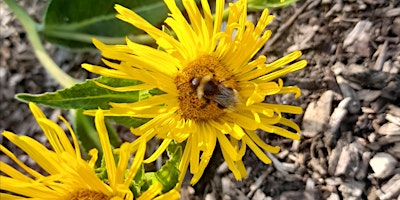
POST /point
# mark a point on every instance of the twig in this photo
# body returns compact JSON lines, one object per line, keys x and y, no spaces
{"x":282,"y":28}
{"x":382,"y":56}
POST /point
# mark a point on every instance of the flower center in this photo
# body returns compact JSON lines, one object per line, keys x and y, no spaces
{"x":85,"y":194}
{"x":206,"y":89}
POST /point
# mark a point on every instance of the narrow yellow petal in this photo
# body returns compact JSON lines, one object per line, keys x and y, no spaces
{"x":225,"y":144}
{"x":194,"y":154}
{"x":137,"y":21}
{"x":257,"y":140}
{"x":281,"y":62}
{"x":221,"y":126}
{"x":45,"y":158}
{"x":237,"y":132}
{"x":56,"y":136}
{"x":106,"y":146}
{"x":241,"y":168}
{"x":10,"y":171}
{"x":291,"y":68}
{"x":280,"y":131}
{"x":282,"y":108}
{"x":170,"y":195}
{"x":28,"y":189}
{"x":244,"y":121}
{"x":143,"y":86}
{"x":159,"y":151}
{"x":74,"y":139}
{"x":153,"y":191}
{"x":94,"y":155}
{"x":5,"y":196}
{"x":183,"y":165}
{"x":206,"y":155}
{"x":290,"y":89}
{"x":259,"y":153}
{"x":231,"y":164}
{"x":106,"y":72}
{"x":137,"y":162}
{"x":16,"y":160}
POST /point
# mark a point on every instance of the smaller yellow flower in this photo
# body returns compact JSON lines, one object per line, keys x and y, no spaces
{"x":70,"y":176}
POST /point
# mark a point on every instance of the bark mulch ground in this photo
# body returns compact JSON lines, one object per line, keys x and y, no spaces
{"x":350,"y":146}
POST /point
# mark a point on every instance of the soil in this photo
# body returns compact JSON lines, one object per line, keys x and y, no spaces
{"x":350,"y":146}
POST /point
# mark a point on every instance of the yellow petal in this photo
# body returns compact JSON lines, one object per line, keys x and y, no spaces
{"x":260,"y":154}
{"x":106,"y":146}
{"x":159,"y":151}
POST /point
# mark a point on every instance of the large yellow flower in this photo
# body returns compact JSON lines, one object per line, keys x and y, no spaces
{"x":70,"y":176}
{"x":213,"y":91}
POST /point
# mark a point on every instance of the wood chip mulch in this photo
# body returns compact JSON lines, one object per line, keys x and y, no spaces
{"x":350,"y":146}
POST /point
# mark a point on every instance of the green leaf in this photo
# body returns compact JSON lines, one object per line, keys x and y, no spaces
{"x":169,"y":173}
{"x":141,"y":182}
{"x":73,"y":23}
{"x":88,"y":95}
{"x":139,"y":177}
{"x":263,"y":4}
{"x":167,"y":176}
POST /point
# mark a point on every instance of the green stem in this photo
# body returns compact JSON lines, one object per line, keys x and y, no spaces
{"x":30,"y":27}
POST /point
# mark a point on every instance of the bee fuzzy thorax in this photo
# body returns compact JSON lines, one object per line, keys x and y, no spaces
{"x":213,"y":90}
{"x":201,"y":84}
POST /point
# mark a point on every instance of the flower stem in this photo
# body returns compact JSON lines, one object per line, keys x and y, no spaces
{"x":31,"y":29}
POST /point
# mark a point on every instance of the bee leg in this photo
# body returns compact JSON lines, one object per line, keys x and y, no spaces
{"x":205,"y":104}
{"x":220,"y":106}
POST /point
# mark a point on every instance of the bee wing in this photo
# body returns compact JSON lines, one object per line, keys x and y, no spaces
{"x":227,"y":97}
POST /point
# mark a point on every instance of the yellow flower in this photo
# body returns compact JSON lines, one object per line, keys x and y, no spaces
{"x":213,"y":91}
{"x":69,"y":176}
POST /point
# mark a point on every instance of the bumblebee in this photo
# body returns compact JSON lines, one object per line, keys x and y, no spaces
{"x":212,"y":90}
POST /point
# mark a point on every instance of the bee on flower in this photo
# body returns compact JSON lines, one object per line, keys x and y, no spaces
{"x":213,"y":87}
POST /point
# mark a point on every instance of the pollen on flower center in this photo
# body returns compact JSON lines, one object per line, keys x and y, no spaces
{"x":206,"y":88}
{"x":85,"y":194}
